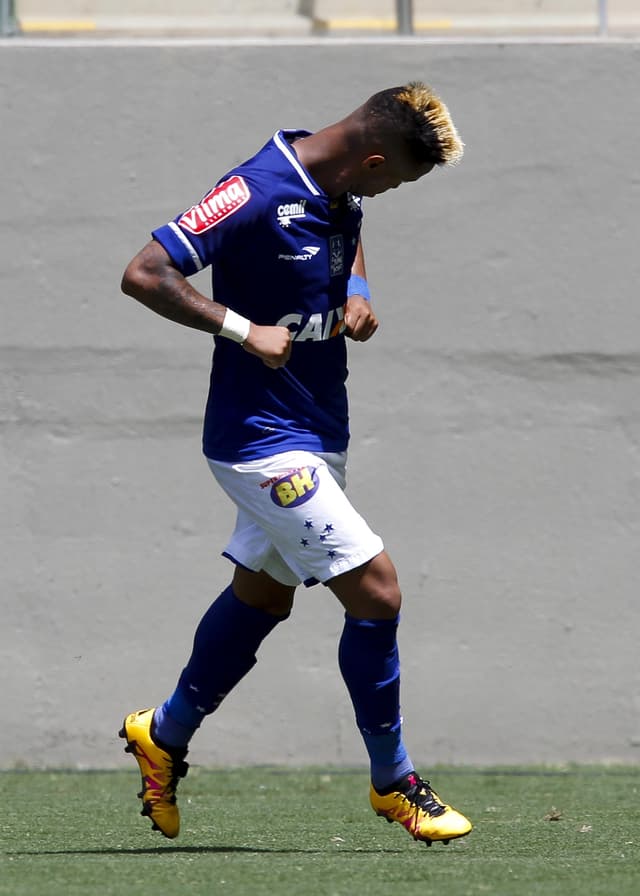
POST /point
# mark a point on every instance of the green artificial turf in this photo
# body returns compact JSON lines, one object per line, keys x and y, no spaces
{"x":279,"y":832}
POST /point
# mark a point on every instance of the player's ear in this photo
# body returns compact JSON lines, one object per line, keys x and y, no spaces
{"x":373,"y":161}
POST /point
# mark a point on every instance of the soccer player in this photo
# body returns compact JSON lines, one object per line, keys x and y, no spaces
{"x":282,"y":234}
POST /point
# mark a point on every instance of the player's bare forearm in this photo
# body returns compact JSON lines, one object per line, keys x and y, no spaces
{"x":152,"y":279}
{"x":358,"y":267}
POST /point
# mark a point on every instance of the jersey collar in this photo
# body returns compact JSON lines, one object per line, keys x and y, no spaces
{"x":280,"y":139}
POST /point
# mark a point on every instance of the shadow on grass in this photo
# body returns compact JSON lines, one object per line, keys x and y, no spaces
{"x":198,"y":850}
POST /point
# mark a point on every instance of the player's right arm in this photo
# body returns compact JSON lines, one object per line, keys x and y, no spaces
{"x":152,"y":279}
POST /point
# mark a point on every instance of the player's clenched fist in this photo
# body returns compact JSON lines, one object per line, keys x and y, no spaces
{"x":360,"y":321}
{"x":271,"y":344}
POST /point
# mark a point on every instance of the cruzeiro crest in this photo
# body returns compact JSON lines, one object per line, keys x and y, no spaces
{"x":336,"y":255}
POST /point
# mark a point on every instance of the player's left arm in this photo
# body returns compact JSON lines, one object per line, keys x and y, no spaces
{"x":360,"y":321}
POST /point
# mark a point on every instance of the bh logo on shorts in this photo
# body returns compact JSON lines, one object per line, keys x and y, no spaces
{"x":295,"y":488}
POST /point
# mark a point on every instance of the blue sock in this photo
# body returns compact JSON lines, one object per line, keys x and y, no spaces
{"x":370,"y":665}
{"x":224,"y":650}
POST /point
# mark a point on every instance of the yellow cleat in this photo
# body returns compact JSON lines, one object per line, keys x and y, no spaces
{"x":160,"y":771}
{"x":419,"y":809}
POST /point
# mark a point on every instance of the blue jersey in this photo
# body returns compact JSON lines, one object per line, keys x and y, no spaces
{"x":281,"y":252}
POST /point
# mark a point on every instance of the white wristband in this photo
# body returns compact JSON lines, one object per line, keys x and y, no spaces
{"x":235,"y":327}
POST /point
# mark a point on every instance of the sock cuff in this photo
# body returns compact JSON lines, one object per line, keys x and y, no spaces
{"x":379,"y":624}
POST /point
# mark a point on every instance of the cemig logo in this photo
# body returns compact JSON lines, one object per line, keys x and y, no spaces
{"x":222,"y":201}
{"x":289,"y":210}
{"x":295,"y":488}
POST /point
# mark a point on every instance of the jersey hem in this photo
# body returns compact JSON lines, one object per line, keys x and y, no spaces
{"x":252,"y":452}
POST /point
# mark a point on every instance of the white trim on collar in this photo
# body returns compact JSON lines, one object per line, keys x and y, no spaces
{"x":286,"y":150}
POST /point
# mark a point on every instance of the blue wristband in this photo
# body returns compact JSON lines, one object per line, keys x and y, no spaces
{"x":358,"y":286}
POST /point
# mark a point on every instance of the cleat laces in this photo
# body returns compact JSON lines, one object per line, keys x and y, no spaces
{"x":179,"y":770}
{"x":420,"y":795}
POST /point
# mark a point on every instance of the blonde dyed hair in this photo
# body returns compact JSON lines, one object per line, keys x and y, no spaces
{"x":425,"y":103}
{"x":415,"y":114}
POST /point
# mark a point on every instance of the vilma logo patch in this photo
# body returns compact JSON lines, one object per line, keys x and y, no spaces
{"x":222,"y":201}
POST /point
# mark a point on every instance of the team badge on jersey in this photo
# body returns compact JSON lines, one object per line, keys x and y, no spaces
{"x":220,"y":203}
{"x":295,"y":488}
{"x":336,"y":255}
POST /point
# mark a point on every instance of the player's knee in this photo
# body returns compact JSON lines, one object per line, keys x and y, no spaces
{"x":385,"y":599}
{"x":371,"y":591}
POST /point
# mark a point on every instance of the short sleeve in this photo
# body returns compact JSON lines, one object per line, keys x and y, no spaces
{"x":194,"y":238}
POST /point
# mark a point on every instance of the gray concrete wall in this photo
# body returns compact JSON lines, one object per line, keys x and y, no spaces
{"x":495,"y":415}
{"x":301,"y":17}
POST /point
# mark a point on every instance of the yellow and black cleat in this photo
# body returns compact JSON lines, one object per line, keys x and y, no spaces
{"x":160,"y":770}
{"x":413,"y":804}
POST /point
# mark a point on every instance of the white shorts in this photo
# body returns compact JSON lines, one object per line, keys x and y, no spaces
{"x":294,"y":520}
